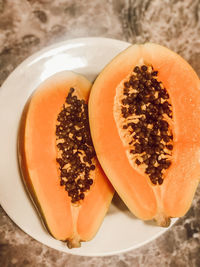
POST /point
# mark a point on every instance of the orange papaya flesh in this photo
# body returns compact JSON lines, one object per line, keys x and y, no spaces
{"x":164,"y":187}
{"x":38,"y":151}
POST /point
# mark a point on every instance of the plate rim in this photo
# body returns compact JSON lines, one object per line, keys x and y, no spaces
{"x":55,"y":45}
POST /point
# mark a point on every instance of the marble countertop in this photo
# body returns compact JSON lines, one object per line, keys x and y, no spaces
{"x":29,"y":25}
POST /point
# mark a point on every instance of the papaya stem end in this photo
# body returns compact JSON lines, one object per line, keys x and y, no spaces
{"x":73,"y":243}
{"x":162,"y":220}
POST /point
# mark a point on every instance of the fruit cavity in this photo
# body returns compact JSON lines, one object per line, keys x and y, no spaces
{"x":143,"y":115}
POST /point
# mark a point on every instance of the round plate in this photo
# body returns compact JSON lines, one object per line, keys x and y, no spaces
{"x":120,"y":230}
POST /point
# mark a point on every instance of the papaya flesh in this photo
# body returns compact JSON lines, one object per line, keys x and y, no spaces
{"x":144,"y":117}
{"x":71,"y":195}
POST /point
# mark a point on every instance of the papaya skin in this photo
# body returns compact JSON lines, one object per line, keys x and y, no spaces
{"x":147,"y":201}
{"x":40,"y":171}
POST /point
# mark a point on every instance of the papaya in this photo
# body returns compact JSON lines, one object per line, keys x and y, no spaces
{"x":58,"y":161}
{"x":144,"y":117}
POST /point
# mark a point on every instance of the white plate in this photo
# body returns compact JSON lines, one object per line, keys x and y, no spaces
{"x":120,"y":230}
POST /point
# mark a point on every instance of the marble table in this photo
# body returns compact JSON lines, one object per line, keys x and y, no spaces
{"x":29,"y":25}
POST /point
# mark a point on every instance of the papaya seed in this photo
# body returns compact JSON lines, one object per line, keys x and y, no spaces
{"x":75,"y":146}
{"x":146,"y":98}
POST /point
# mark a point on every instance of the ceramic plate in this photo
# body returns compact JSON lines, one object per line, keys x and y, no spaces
{"x":120,"y":231}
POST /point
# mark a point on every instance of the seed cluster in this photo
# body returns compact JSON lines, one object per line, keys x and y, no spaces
{"x":75,"y":147}
{"x":147,"y":113}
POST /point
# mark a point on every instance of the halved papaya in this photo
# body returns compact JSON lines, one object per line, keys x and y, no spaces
{"x":144,"y":116}
{"x":58,"y":161}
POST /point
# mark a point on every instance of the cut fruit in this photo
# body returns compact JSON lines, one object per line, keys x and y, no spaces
{"x":144,"y":117}
{"x":58,"y":162}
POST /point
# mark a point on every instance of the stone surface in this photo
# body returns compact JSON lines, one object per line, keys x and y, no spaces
{"x":29,"y":25}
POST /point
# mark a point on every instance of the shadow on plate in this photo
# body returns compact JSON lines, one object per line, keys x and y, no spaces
{"x":118,"y":205}
{"x":151,"y":223}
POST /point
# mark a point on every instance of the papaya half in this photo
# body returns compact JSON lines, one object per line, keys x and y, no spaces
{"x":144,"y":117}
{"x":58,"y":161}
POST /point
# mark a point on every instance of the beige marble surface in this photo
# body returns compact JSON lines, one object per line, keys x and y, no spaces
{"x":29,"y":25}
